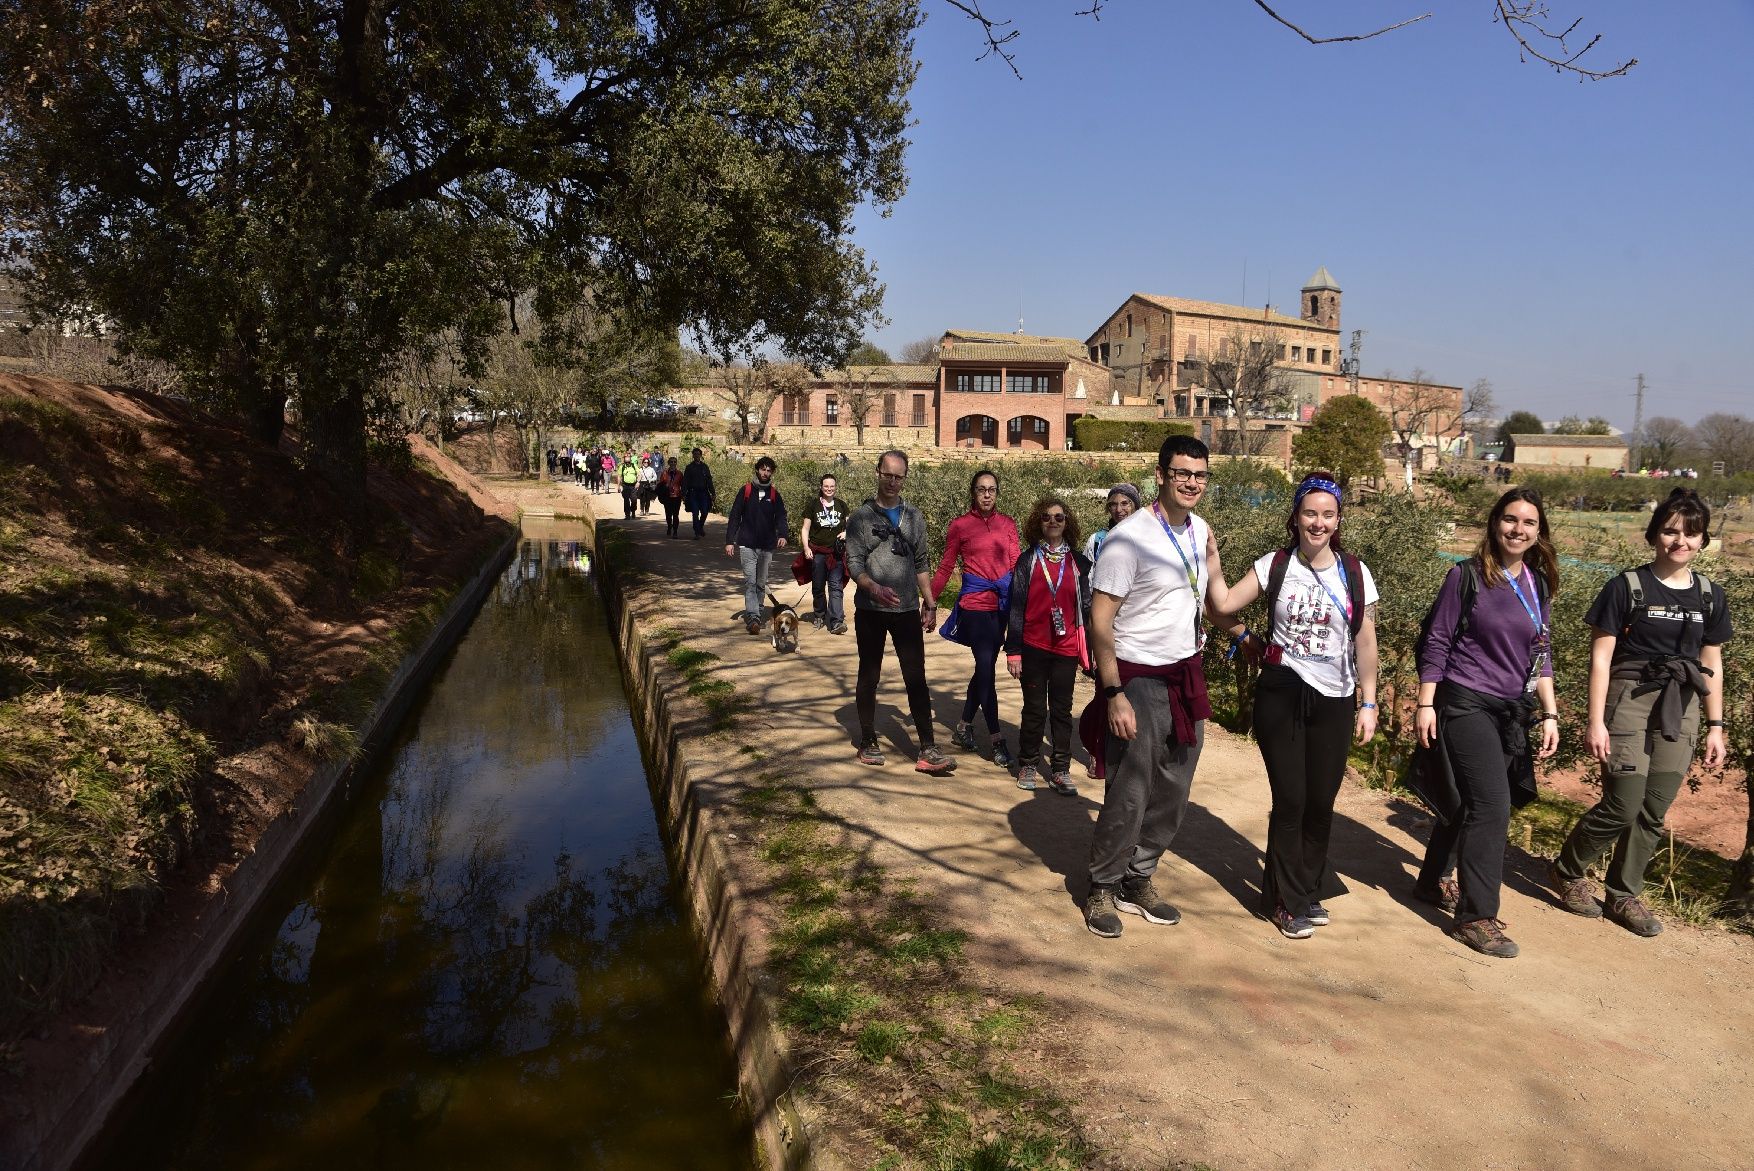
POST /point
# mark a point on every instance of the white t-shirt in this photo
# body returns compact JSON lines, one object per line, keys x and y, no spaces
{"x":1160,"y":620}
{"x":1311,"y":627}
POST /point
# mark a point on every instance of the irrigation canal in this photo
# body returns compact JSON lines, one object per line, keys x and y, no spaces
{"x":486,"y":965}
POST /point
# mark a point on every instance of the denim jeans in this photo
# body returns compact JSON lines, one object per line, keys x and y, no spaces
{"x":828,"y":587}
{"x":755,"y":564}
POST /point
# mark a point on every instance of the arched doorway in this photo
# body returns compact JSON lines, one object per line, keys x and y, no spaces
{"x":977,"y":431}
{"x":1027,"y":431}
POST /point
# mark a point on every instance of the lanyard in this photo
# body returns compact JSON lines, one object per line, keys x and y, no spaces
{"x":1192,"y":569}
{"x":1345,"y":585}
{"x":1054,"y":583}
{"x":1534,"y":615}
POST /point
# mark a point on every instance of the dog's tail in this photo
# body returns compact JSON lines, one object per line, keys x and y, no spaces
{"x":774,"y":602}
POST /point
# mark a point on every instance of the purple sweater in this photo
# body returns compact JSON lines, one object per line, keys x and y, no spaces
{"x":1493,"y":653}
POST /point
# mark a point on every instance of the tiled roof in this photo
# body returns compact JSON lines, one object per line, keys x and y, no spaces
{"x":897,"y":373}
{"x":1322,"y":279}
{"x":1216,"y":309}
{"x":964,"y":342}
{"x":989,"y":355}
{"x":1568,"y":440}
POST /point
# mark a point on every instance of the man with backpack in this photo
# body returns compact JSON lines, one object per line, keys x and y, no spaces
{"x":757,"y":526}
{"x":697,"y":491}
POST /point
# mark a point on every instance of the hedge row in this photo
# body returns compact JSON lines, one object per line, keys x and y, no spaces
{"x":1147,"y":435}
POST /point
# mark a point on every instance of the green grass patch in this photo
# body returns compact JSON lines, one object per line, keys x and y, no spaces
{"x":880,"y":1040}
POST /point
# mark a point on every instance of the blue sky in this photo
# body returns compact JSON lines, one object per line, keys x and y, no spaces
{"x":1485,"y":218}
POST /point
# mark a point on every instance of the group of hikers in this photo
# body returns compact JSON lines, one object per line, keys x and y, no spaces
{"x":1131,"y":606}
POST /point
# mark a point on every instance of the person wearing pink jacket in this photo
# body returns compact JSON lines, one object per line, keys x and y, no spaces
{"x":983,"y":542}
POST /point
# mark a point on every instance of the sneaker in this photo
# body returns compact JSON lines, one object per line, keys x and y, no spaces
{"x":1292,"y":926}
{"x":963,"y":737}
{"x":870,"y":753}
{"x":1061,"y":782}
{"x":838,"y":628}
{"x":1447,"y":894}
{"x":1002,"y":754}
{"x":1099,"y":912}
{"x":1138,"y":897}
{"x":1028,"y":778}
{"x":752,"y":626}
{"x":934,"y":760}
{"x":1317,"y":915}
{"x":1487,"y":937}
{"x":1575,"y":894}
{"x":817,"y":620}
{"x":1632,"y":914}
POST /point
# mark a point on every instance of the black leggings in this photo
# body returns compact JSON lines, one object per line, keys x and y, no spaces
{"x":984,"y":632}
{"x":1473,"y":842}
{"x":870,"y":628}
{"x":1304,"y":738}
{"x":672,"y":514}
{"x":1047,"y":701}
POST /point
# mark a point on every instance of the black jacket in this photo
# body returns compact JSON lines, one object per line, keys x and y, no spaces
{"x":1021,"y":576}
{"x":758,"y":524}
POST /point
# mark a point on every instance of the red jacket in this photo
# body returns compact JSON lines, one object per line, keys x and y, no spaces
{"x":988,"y":546}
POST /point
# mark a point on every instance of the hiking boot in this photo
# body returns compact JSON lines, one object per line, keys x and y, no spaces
{"x":1632,"y":914}
{"x":1028,"y":778}
{"x":1317,"y":915}
{"x":752,"y":626}
{"x":1575,"y":894}
{"x":963,"y":737}
{"x":869,"y":753}
{"x":1099,"y":912}
{"x":1061,"y":782}
{"x":1292,"y":926}
{"x":1487,"y":937}
{"x":934,"y":760}
{"x":1447,"y":894}
{"x":1002,"y":754}
{"x":1138,"y":897}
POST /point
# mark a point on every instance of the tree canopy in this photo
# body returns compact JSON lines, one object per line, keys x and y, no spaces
{"x":288,"y":195}
{"x":1520,"y":423}
{"x":1345,"y":436}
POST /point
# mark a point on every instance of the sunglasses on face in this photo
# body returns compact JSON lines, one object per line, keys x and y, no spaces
{"x":1053,"y":518}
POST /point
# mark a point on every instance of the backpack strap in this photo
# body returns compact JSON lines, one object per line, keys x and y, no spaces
{"x":1466,"y":590}
{"x":1276,"y":581}
{"x":1635,"y":592}
{"x":1354,"y":590}
{"x":1707,"y":594}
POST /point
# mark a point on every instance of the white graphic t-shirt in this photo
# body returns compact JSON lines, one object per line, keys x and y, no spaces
{"x":1310,"y":625}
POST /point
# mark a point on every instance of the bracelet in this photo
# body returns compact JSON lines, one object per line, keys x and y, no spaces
{"x":1361,"y":706}
{"x":1554,"y":716}
{"x":1714,"y":723}
{"x":1432,"y":706}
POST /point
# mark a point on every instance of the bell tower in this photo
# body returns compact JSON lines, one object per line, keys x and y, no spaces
{"x":1321,"y":300}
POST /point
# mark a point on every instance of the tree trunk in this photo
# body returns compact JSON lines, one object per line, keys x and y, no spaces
{"x":334,"y":442}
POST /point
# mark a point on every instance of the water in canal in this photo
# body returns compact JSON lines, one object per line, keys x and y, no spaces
{"x":487,"y":967}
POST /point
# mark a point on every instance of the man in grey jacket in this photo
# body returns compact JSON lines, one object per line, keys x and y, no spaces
{"x":888,"y":559}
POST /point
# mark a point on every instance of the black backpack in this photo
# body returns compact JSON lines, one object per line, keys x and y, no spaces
{"x":1354,"y":586}
{"x":1467,"y":588}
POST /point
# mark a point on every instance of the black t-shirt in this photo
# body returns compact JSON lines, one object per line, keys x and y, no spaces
{"x":1671,"y":623}
{"x":827,"y":521}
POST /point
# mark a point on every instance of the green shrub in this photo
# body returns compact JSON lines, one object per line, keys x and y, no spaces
{"x":1146,"y":435}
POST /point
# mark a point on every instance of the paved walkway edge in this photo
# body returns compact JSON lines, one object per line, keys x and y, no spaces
{"x":60,"y":1138}
{"x":723,"y":915}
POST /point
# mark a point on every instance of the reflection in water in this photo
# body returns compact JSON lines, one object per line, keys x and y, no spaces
{"x":487,"y":969}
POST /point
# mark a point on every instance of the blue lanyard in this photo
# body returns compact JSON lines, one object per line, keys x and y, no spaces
{"x":1345,"y":583}
{"x":1192,"y":570}
{"x":1534,"y":614}
{"x":1054,"y":584}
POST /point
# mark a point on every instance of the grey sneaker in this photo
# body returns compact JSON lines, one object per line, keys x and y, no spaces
{"x":1487,"y":937}
{"x":838,"y":628}
{"x":934,"y":760}
{"x":1028,"y":778}
{"x":1138,"y":897}
{"x":1632,"y":914}
{"x":963,"y":737}
{"x":1002,"y":754}
{"x":1575,"y":894}
{"x":1292,"y":926}
{"x":1318,"y":915}
{"x":870,"y":753}
{"x":1060,"y":781}
{"x":1099,"y":912}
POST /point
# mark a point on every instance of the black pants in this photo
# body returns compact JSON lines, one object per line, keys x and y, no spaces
{"x":870,"y":628}
{"x":1474,"y":841}
{"x":628,"y":493}
{"x":1304,"y":738}
{"x":1047,"y":696}
{"x":672,"y":514}
{"x":984,"y":632}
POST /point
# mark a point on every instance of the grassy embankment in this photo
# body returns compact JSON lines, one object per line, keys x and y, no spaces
{"x":172,"y":598}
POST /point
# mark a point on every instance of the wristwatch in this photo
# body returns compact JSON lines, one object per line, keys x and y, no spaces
{"x":1110,"y":692}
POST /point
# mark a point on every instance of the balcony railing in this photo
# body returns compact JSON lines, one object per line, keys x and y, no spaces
{"x":794,"y":418}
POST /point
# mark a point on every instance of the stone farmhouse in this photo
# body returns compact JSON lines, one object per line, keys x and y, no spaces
{"x":1600,"y":452}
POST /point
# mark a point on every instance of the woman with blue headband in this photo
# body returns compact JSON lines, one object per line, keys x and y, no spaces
{"x":1316,"y":690}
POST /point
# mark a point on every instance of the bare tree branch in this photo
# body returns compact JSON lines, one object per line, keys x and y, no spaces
{"x":1526,"y":18}
{"x":1314,"y":40}
{"x":996,"y":41}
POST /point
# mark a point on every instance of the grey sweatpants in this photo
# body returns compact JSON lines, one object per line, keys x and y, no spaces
{"x":1147,"y":789}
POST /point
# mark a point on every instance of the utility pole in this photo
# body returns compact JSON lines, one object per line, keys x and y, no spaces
{"x":1638,"y":428}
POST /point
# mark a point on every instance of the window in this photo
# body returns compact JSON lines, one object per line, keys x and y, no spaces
{"x":1029,"y":384}
{"x":1129,"y":325}
{"x":1297,"y":353}
{"x":977,"y":384}
{"x":1103,"y":350}
{"x":1255,"y":350}
{"x":1281,"y":354}
{"x":1206,"y":432}
{"x":1193,"y":346}
{"x":889,"y":410}
{"x":919,"y":418}
{"x":1314,"y":305}
{"x":1327,"y":357}
{"x":833,"y":410}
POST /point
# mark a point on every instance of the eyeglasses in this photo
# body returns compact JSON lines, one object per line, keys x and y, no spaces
{"x":892,"y":475}
{"x":1053,"y":518}
{"x":986,"y":491}
{"x":1187,"y":475}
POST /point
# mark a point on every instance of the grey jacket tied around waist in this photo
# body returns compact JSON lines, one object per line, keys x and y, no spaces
{"x":1678,"y":679}
{"x":891,"y":555}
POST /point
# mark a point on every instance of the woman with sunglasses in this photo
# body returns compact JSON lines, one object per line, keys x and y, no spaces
{"x":1483,"y":667}
{"x":1045,"y":638}
{"x":1320,"y":653}
{"x":982,"y":542}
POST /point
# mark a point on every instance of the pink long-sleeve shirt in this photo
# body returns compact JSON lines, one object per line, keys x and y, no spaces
{"x":987,"y":546}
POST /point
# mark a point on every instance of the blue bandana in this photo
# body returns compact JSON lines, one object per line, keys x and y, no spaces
{"x":1316,"y":484}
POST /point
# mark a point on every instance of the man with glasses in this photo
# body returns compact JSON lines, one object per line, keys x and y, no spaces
{"x":887,"y":559}
{"x":1146,"y":635}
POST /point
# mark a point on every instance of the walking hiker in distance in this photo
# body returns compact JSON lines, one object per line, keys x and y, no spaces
{"x":697,"y":490}
{"x":756,"y":527}
{"x":823,"y":535}
{"x":1046,"y":639}
{"x":983,"y":543}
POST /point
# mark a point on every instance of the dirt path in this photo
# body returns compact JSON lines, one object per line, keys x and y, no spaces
{"x":1379,"y":1043}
